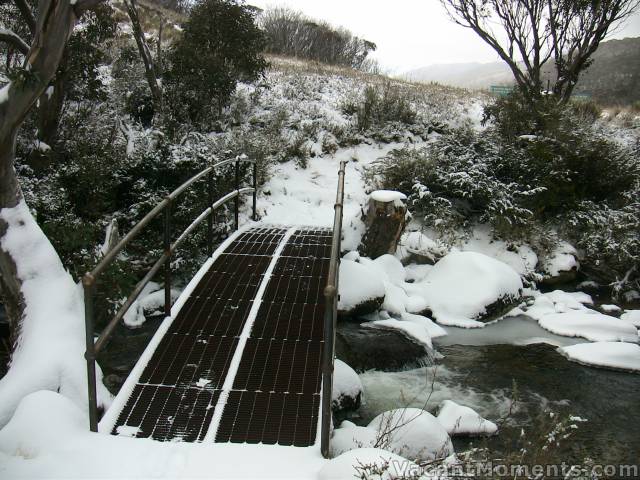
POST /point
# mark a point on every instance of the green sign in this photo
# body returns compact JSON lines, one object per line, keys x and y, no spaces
{"x":500,"y":90}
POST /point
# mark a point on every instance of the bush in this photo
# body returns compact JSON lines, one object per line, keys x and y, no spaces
{"x":220,"y":46}
{"x":379,"y":105}
{"x":568,"y":174}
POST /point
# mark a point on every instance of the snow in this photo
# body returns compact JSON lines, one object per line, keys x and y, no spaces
{"x":4,"y":93}
{"x":350,"y":465}
{"x":518,"y":256}
{"x":357,"y":285}
{"x":609,"y":308}
{"x":562,"y":259}
{"x":349,"y":437}
{"x":388,"y":196}
{"x":420,"y":244}
{"x":632,"y":316}
{"x":411,"y":330}
{"x":571,"y":300}
{"x":461,"y":420}
{"x":151,"y":300}
{"x":591,"y":325}
{"x":42,"y":147}
{"x":556,"y":302}
{"x":413,"y":433}
{"x":461,"y":285}
{"x":346,"y":381}
{"x":48,"y":437}
{"x":305,"y":196}
{"x":50,"y":351}
{"x":616,"y":355}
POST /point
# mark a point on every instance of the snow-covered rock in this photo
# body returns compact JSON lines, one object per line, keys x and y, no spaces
{"x":354,"y":463}
{"x":360,"y":291}
{"x":460,"y":420}
{"x":413,"y":433}
{"x":519,"y":257}
{"x":413,"y":331}
{"x":350,"y":437}
{"x":591,"y":325}
{"x":632,"y":316}
{"x":610,"y":308}
{"x":614,"y":355}
{"x":561,"y":265}
{"x":40,"y":420}
{"x":556,"y":302}
{"x":465,"y":287}
{"x":419,"y":248}
{"x":347,"y":387}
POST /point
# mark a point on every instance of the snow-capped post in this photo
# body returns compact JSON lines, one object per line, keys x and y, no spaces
{"x":385,"y":221}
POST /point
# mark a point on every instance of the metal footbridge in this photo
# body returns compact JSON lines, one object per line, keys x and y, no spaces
{"x":245,"y":355}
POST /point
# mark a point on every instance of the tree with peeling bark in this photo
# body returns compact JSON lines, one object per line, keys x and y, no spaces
{"x":28,"y":262}
{"x":531,"y":33}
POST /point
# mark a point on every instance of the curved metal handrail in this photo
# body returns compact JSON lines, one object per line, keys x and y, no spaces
{"x":330,"y":316}
{"x":90,"y":278}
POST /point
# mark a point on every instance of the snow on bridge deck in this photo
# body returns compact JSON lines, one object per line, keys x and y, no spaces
{"x":239,"y":360}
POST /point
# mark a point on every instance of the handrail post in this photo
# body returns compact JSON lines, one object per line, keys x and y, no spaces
{"x":330,"y":318}
{"x":237,"y":199}
{"x":167,"y":265}
{"x":210,"y":217}
{"x":255,"y":191}
{"x":90,"y":354}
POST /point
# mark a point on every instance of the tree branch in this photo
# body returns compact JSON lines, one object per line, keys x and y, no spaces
{"x":10,"y":37}
{"x":27,"y":14}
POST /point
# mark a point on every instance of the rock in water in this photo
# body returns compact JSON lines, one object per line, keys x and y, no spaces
{"x":347,"y":387}
{"x":413,"y":433}
{"x":461,"y":420}
{"x":374,"y":348}
{"x":385,"y":222}
{"x":360,"y":292}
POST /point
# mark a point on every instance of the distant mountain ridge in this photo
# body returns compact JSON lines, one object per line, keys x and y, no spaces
{"x":613,"y":78}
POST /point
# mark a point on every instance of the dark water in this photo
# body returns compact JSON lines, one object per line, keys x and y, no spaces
{"x":609,"y":400}
{"x":483,"y":377}
{"x":123,"y":351}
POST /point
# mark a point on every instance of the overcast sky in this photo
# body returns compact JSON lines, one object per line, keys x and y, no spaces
{"x":409,"y":33}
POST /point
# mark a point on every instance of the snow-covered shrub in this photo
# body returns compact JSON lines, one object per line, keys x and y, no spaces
{"x":381,"y":104}
{"x":455,"y":182}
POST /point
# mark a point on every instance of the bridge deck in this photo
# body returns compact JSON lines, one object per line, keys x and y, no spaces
{"x":241,"y":360}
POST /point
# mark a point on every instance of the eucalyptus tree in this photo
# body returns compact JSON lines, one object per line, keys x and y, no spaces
{"x":527,"y":34}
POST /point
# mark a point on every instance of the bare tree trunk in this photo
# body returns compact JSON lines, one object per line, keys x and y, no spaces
{"x":150,"y":66}
{"x":10,"y":284}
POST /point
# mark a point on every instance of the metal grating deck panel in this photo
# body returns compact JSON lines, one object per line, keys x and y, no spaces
{"x":178,"y":389}
{"x":276,"y":392}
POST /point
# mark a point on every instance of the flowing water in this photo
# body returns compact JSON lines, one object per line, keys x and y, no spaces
{"x":509,"y":377}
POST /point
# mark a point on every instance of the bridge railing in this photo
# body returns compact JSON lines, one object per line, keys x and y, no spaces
{"x":330,"y":317}
{"x":165,"y":206}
